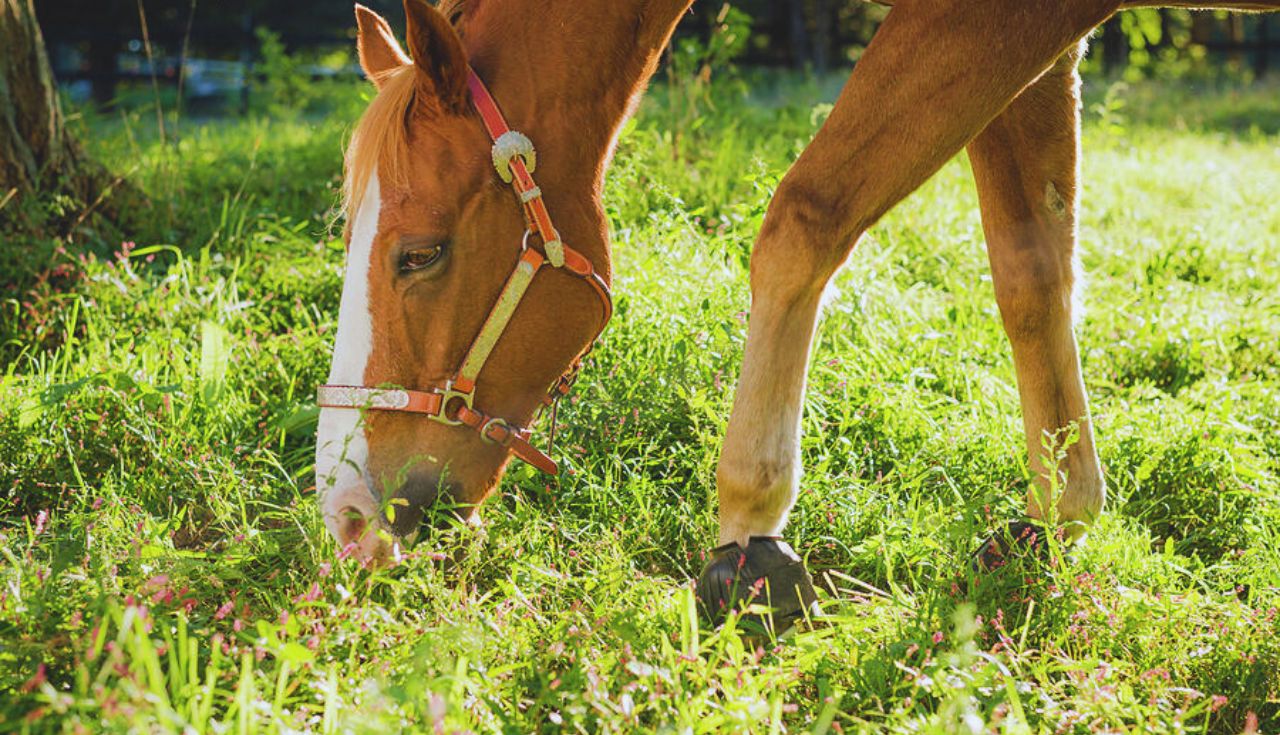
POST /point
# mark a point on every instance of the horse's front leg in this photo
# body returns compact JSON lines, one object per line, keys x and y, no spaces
{"x":1025,"y":164}
{"x":933,"y":77}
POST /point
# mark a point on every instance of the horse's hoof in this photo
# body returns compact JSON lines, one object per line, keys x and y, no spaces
{"x":1019,"y":539}
{"x":767,"y":573}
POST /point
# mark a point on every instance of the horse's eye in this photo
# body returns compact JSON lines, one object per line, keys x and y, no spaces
{"x":419,"y":258}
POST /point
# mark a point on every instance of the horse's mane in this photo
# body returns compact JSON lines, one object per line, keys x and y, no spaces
{"x":380,"y":142}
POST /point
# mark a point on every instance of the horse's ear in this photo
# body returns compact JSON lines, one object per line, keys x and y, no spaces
{"x":379,"y":52}
{"x":438,"y":54}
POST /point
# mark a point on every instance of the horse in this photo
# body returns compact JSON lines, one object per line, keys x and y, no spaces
{"x":473,"y":291}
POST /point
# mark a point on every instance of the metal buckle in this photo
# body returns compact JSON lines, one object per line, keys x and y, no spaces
{"x":491,"y":423}
{"x":447,"y":396}
{"x":509,"y":145}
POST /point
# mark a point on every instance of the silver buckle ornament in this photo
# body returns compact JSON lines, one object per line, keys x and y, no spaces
{"x":509,"y":145}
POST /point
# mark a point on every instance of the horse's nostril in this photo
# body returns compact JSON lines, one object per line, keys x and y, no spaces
{"x":351,"y":524}
{"x":360,"y":533}
{"x":351,"y":514}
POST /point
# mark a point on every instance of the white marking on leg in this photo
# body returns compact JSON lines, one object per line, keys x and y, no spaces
{"x":759,"y":470}
{"x":341,"y":449}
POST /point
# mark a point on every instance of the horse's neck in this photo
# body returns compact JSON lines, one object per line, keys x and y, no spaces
{"x":569,"y":71}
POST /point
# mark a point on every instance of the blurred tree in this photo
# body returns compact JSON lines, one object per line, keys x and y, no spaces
{"x":1115,"y":46}
{"x":100,"y":30}
{"x":36,"y":152}
{"x":1264,"y":44}
{"x":818,"y":34}
{"x":32,"y":137}
{"x":813,"y":29}
{"x":799,"y":27}
{"x":822,"y":20}
{"x":1235,"y":35}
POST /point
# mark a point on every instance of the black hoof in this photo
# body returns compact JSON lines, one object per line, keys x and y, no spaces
{"x":1018,"y":540}
{"x":766,"y":573}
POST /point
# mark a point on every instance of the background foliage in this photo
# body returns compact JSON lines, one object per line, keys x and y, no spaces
{"x":95,"y":41}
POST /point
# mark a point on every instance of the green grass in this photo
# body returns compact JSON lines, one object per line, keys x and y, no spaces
{"x":163,"y":566}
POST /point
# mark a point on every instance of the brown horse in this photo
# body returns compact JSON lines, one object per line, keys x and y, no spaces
{"x":437,"y":240}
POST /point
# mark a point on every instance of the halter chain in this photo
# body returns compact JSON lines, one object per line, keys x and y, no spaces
{"x":452,"y":403}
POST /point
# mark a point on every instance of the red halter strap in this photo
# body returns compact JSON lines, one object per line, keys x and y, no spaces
{"x":453,"y":403}
{"x":515,"y":159}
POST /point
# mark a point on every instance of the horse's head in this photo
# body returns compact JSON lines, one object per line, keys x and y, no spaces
{"x":435,"y":241}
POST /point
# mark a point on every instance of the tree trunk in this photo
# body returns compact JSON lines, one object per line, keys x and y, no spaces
{"x":1202,"y":28}
{"x":822,"y":21}
{"x":1115,"y":47}
{"x":1264,"y":46}
{"x":1235,"y":32}
{"x":32,"y":138}
{"x":49,"y":190}
{"x":102,"y":64}
{"x":799,"y":34}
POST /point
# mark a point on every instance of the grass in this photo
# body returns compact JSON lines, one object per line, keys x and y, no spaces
{"x":163,"y":566}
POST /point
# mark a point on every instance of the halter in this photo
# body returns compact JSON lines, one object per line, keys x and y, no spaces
{"x":453,"y":403}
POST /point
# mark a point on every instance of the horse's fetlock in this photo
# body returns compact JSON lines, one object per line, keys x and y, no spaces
{"x":757,"y":482}
{"x":1083,"y":503}
{"x":755,"y":493}
{"x":1079,"y":502}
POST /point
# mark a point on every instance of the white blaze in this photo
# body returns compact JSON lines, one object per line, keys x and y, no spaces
{"x":341,"y":449}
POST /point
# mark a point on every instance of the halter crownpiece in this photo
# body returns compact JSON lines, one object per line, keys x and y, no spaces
{"x":452,"y":403}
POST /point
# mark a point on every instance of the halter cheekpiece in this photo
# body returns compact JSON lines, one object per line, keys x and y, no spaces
{"x":453,"y":402}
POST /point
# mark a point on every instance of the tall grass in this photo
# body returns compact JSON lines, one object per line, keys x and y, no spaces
{"x":163,"y":566}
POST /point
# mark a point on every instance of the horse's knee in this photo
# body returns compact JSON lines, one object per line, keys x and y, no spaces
{"x":801,"y":244}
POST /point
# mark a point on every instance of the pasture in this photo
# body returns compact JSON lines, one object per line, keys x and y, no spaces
{"x":164,"y":568}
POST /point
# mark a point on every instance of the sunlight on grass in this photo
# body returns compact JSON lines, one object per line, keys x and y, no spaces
{"x":163,"y":566}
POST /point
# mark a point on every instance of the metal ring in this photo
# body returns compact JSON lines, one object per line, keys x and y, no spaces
{"x":484,"y":430}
